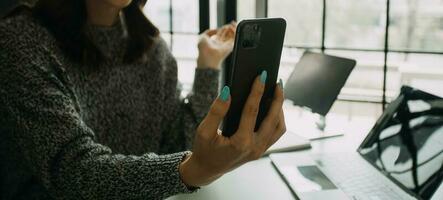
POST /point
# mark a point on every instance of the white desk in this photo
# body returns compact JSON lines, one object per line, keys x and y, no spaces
{"x":258,"y":180}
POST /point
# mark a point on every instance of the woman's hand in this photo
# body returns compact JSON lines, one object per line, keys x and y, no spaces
{"x":214,"y":155}
{"x":215,"y":45}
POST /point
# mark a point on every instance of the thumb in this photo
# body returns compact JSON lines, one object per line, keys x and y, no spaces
{"x":218,"y":111}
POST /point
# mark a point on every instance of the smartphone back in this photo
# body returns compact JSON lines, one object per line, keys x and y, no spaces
{"x":258,"y":47}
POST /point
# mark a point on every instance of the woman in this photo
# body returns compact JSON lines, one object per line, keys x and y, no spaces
{"x":87,"y":88}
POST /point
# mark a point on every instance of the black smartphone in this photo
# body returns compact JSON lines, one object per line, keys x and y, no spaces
{"x":258,"y":46}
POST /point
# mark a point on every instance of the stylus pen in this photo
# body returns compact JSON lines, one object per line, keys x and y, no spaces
{"x":326,"y":137}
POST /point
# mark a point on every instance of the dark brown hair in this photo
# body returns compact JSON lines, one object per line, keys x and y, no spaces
{"x":67,"y":19}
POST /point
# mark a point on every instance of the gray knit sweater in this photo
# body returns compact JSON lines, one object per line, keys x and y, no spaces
{"x":67,"y":132}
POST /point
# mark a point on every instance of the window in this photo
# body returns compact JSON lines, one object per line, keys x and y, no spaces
{"x":400,"y":40}
{"x":405,"y":49}
{"x":179,"y":23}
{"x":303,"y":20}
{"x":355,"y":24}
{"x":417,"y":25}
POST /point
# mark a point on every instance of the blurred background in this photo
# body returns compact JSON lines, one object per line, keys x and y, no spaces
{"x":395,"y":42}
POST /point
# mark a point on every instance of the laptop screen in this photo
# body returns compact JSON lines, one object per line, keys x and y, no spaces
{"x":406,"y":144}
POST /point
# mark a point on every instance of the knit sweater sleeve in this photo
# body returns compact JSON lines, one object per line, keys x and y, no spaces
{"x":56,"y":144}
{"x":182,"y":118}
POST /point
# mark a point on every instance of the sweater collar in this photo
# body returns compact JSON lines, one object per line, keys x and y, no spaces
{"x":111,"y":40}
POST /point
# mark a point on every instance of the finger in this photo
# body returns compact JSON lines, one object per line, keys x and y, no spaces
{"x":210,"y":32}
{"x":224,"y":33}
{"x":229,"y":39}
{"x":226,"y":28}
{"x":233,"y":27}
{"x":219,"y":31}
{"x":252,"y":105}
{"x":230,"y":33}
{"x":217,"y":111}
{"x":207,"y":35}
{"x":280,"y":130}
{"x":272,"y":119}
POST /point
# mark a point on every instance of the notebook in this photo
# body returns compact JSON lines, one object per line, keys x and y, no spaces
{"x":289,"y":142}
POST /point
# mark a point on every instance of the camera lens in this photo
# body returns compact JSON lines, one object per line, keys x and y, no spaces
{"x":245,"y":43}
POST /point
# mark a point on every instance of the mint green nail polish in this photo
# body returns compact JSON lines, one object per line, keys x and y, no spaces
{"x":225,"y":93}
{"x":280,"y":83}
{"x":263,"y":76}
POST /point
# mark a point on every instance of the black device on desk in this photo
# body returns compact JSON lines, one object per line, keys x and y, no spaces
{"x":258,"y":47}
{"x":317,"y":80}
{"x":401,"y":158}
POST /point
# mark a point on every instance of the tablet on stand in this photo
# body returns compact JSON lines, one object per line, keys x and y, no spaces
{"x":315,"y":84}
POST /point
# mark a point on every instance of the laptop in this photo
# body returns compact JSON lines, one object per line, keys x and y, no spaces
{"x":317,"y":80}
{"x":401,"y":158}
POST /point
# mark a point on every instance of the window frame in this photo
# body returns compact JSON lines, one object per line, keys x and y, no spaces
{"x":262,"y":11}
{"x":227,"y":12}
{"x":204,"y":20}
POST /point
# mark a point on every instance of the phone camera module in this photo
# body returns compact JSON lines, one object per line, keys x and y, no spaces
{"x":247,"y":44}
{"x":250,"y":36}
{"x":256,"y":27}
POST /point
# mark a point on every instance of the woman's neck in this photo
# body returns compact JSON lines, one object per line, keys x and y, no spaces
{"x":101,"y":13}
